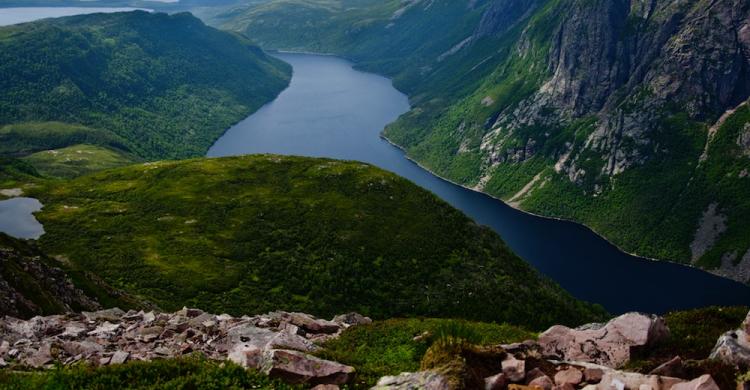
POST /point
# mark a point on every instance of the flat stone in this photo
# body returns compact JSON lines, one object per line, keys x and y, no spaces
{"x":629,"y":380}
{"x":111,"y":315}
{"x":297,"y":367}
{"x":106,"y":329}
{"x":84,"y":348}
{"x":423,"y":380}
{"x":74,"y":330}
{"x":119,"y":357}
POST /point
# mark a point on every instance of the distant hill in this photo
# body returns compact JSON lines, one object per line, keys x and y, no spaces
{"x":261,"y":233}
{"x":148,"y":84}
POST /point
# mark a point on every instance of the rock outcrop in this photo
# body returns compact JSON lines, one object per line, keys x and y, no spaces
{"x":733,"y":347}
{"x":277,"y":343}
{"x":607,"y":344}
{"x":30,"y":285}
{"x":424,"y":380}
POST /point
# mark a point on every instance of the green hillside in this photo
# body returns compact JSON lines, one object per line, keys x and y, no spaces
{"x":595,"y":111}
{"x":261,"y":233}
{"x":152,"y":85}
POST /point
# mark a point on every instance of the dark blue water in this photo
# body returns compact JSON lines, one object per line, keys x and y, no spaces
{"x":17,"y":218}
{"x":331,"y":110}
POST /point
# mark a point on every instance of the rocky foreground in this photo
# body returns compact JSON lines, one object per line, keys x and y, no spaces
{"x":283,"y":345}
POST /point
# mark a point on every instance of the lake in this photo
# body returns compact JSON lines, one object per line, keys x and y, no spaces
{"x":17,"y":15}
{"x":332,"y":110}
{"x":17,"y":218}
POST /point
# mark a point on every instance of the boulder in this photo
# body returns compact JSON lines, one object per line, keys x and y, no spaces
{"x":74,"y":330}
{"x":618,"y":380}
{"x":733,"y":347}
{"x":607,"y":344}
{"x":107,"y":329}
{"x":352,"y":319}
{"x":673,"y":368}
{"x":85,"y":348}
{"x":119,"y":357}
{"x":593,"y":375}
{"x":703,"y":383}
{"x":514,"y":369}
{"x":496,"y":382}
{"x":306,"y":322}
{"x":246,"y":356}
{"x":533,"y":374}
{"x":297,"y":367}
{"x":40,"y":357}
{"x":571,"y":375}
{"x":111,"y":315}
{"x":543,"y":382}
{"x":423,"y":380}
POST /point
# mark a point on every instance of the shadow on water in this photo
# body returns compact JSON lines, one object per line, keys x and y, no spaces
{"x":332,"y":110}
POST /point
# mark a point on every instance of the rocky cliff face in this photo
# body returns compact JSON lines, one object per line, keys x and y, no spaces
{"x":627,"y":64}
{"x":607,"y":112}
{"x":30,"y":286}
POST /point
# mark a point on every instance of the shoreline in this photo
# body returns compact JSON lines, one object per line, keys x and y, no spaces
{"x":589,"y":228}
{"x":550,"y":218}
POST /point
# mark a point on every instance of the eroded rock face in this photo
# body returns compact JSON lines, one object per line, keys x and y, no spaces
{"x":609,"y":344}
{"x":277,"y":343}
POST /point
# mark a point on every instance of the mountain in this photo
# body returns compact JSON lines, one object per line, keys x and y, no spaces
{"x":141,"y":85}
{"x":260,"y":233}
{"x":627,"y":116}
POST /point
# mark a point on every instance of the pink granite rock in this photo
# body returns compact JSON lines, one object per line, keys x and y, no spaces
{"x":609,"y":344}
